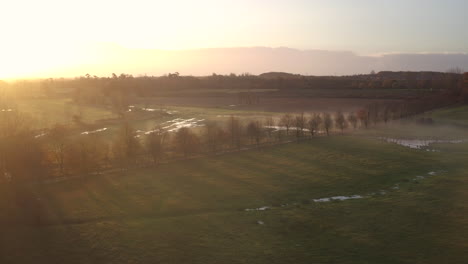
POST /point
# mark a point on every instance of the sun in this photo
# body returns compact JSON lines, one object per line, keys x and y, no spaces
{"x":40,"y":60}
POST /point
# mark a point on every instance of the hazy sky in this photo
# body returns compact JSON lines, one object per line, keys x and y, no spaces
{"x":39,"y":36}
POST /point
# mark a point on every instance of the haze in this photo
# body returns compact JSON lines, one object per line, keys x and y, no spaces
{"x":69,"y":38}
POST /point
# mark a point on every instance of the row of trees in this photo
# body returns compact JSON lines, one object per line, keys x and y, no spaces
{"x":26,"y":156}
{"x":102,"y":90}
{"x":59,"y":152}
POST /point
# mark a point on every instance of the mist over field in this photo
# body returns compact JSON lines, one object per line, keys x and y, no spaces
{"x":247,"y":131}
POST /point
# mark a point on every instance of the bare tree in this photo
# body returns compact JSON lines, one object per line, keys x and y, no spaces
{"x":352,"y":119}
{"x":186,"y":141}
{"x":85,"y":154}
{"x":327,"y":122}
{"x":126,"y":145}
{"x":373,"y":111}
{"x":286,"y":121}
{"x":363,"y":116}
{"x":279,"y":134}
{"x":269,"y":123}
{"x":300,"y":123}
{"x":119,"y":103}
{"x":214,"y":136}
{"x":23,"y":162}
{"x":155,"y":144}
{"x":455,"y":70}
{"x":255,"y":131}
{"x":235,"y":131}
{"x":340,"y":121}
{"x":314,"y":123}
{"x":59,"y":141}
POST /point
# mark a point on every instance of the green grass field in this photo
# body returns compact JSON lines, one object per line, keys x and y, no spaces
{"x":453,"y":115}
{"x":194,"y":211}
{"x":48,"y":111}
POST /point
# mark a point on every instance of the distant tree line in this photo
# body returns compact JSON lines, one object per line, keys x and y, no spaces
{"x":59,"y":151}
{"x":27,"y":158}
{"x":116,"y":89}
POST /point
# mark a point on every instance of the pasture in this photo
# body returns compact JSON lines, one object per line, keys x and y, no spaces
{"x":194,"y":211}
{"x":352,"y":198}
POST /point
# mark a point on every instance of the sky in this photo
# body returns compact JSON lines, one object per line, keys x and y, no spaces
{"x":49,"y":36}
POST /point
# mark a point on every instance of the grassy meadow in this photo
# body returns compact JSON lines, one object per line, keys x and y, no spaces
{"x":194,"y":211}
{"x":409,"y":204}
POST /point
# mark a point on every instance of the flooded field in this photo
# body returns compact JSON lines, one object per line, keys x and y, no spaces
{"x":269,"y":104}
{"x":420,"y":143}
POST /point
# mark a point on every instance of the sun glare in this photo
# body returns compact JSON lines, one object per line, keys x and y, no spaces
{"x":38,"y":60}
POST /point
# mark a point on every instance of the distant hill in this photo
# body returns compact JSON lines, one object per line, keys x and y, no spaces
{"x":275,"y":75}
{"x":268,"y":62}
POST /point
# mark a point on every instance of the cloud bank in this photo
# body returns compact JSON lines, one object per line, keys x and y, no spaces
{"x":257,"y":60}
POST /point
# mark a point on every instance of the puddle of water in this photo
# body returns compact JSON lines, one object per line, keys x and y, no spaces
{"x":151,"y":131}
{"x":179,"y":123}
{"x":149,"y":109}
{"x":278,"y":128}
{"x":176,"y":124}
{"x":258,"y":209}
{"x":420,"y":143}
{"x":339,"y":198}
{"x":40,"y":135}
{"x":351,"y":197}
{"x":94,"y":131}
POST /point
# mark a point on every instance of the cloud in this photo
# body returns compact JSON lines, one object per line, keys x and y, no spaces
{"x":257,"y":60}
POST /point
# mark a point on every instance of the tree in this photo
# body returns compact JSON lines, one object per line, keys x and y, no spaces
{"x":26,"y":161}
{"x":455,"y":70}
{"x":59,"y":141}
{"x":214,"y":136}
{"x":279,"y":134}
{"x":340,"y":121}
{"x":314,"y":123}
{"x":327,"y":122}
{"x":235,"y":131}
{"x":155,"y":144}
{"x":119,"y":103}
{"x":269,"y":123}
{"x":386,"y":113}
{"x":126,"y":145}
{"x":286,"y":121}
{"x":300,"y":123}
{"x":186,"y":141}
{"x":373,"y":111}
{"x":255,"y":131}
{"x":363,"y":116}
{"x":352,"y":119}
{"x":85,"y":154}
{"x":23,"y":162}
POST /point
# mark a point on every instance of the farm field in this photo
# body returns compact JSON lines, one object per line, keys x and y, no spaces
{"x":452,"y":115}
{"x":231,"y":132}
{"x":339,"y":199}
{"x":267,"y":103}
